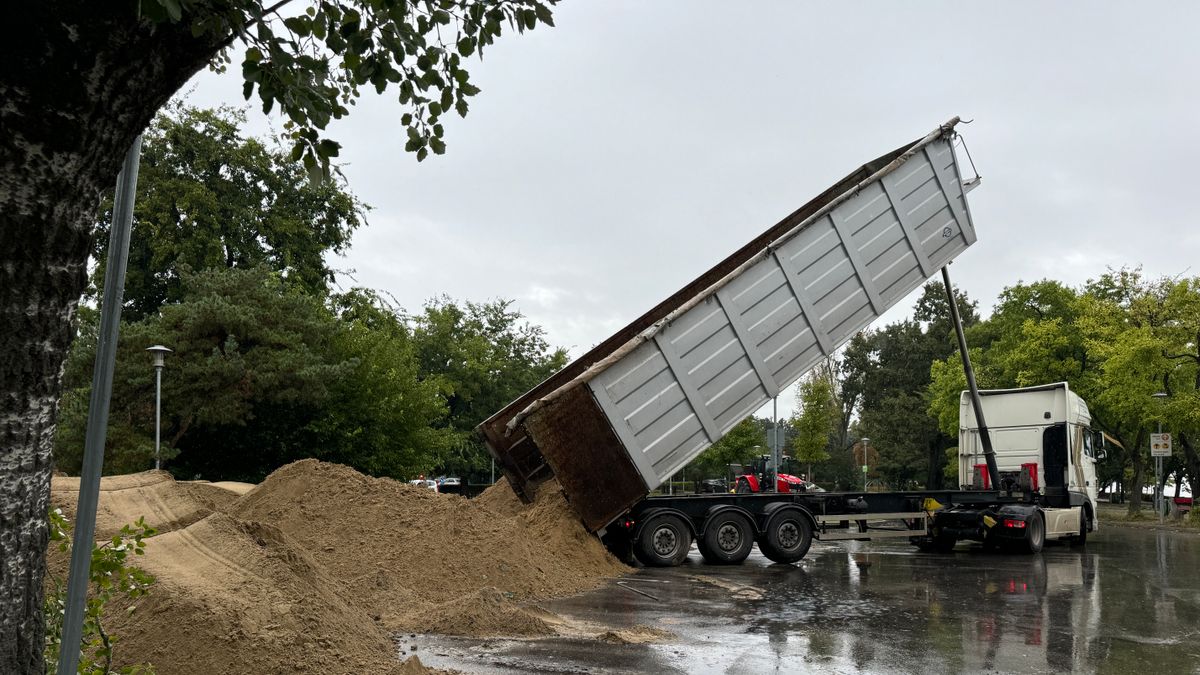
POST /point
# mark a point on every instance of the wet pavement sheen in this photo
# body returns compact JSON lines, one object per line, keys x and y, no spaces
{"x":1128,"y":602}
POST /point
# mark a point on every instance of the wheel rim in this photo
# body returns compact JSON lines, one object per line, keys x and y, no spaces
{"x":788,"y":534}
{"x":665,"y":541}
{"x":729,"y":537}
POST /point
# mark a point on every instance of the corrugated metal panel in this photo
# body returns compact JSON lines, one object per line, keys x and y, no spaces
{"x":716,"y":363}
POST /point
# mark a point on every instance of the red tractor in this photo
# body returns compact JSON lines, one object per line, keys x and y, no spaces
{"x":755,"y":477}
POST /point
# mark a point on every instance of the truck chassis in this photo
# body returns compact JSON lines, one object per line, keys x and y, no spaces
{"x":659,"y":531}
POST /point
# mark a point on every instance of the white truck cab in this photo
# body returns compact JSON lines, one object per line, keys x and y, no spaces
{"x":1044,"y":446}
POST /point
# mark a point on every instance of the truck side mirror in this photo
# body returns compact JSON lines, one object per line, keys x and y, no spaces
{"x":1099,"y":446}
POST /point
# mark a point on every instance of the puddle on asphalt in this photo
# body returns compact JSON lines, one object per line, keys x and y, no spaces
{"x":1129,"y":601}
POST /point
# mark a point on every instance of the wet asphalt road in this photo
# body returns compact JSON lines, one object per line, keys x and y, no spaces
{"x":1128,"y":602}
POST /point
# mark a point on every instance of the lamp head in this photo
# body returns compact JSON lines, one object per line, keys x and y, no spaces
{"x":159,"y":352}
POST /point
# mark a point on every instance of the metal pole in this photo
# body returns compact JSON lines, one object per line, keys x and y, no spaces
{"x":976,"y":402}
{"x":775,"y":453}
{"x":97,"y":424}
{"x":1158,"y":496}
{"x":866,"y":448}
{"x":157,"y":415}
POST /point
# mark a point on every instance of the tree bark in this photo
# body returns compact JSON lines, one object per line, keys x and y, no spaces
{"x":935,"y":477}
{"x":1137,"y":462}
{"x":81,"y":80}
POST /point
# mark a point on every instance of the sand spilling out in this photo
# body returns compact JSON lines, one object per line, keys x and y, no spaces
{"x":400,"y":548}
{"x":314,"y":569}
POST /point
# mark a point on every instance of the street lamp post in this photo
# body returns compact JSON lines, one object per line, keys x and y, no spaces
{"x":866,"y":444}
{"x":159,"y":353}
{"x":1158,"y":497}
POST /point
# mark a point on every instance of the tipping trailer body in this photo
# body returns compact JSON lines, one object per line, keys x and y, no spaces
{"x":617,"y":422}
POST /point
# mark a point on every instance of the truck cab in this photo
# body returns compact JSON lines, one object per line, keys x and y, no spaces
{"x":1044,"y":448}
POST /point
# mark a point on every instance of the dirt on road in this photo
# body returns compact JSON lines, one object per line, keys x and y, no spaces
{"x":319,"y":567}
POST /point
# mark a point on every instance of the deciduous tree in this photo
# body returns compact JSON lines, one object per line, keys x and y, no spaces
{"x":816,"y":424}
{"x":487,"y":354}
{"x":210,"y":197}
{"x":81,"y":81}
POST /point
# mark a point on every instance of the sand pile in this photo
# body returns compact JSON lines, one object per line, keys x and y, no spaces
{"x":242,"y":597}
{"x":636,"y":635}
{"x":313,"y":570}
{"x":166,"y":504}
{"x":487,"y":611}
{"x":398,"y":549}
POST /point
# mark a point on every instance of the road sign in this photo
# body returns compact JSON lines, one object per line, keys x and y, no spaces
{"x":1160,"y":445}
{"x":864,"y":468}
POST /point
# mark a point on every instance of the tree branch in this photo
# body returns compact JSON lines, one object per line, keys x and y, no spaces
{"x":1194,"y":357}
{"x":269,"y":10}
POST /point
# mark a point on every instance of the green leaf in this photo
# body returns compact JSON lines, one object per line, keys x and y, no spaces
{"x":174,"y":10}
{"x":300,"y":25}
{"x":422,"y":154}
{"x":327,"y":148}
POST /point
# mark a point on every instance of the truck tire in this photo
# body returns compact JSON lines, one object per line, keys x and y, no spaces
{"x":787,"y":536}
{"x":728,"y":539}
{"x":664,"y":541}
{"x":1081,"y":538}
{"x":1035,"y":535}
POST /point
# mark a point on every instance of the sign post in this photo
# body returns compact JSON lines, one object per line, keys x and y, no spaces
{"x":1160,"y":446}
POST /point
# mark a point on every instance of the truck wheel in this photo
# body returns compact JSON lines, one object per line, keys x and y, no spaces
{"x":728,"y":538}
{"x":1035,"y":534}
{"x":787,"y":537}
{"x":664,"y":542}
{"x":1081,"y":538}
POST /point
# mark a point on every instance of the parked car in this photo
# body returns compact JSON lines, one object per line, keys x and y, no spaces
{"x":450,"y":484}
{"x":431,"y":484}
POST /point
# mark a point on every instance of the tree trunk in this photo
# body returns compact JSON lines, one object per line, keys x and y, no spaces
{"x":81,"y":81}
{"x":1137,"y":461}
{"x":935,"y":477}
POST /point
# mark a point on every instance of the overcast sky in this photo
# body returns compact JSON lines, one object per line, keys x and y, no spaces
{"x":610,"y":160}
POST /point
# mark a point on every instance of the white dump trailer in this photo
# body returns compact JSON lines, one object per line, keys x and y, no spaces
{"x":617,"y":422}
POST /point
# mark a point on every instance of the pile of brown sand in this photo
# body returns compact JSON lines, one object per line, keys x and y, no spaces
{"x":313,"y":569}
{"x":398,"y":550}
{"x":166,"y":504}
{"x":242,"y":597}
{"x":487,"y":611}
{"x":636,"y":635}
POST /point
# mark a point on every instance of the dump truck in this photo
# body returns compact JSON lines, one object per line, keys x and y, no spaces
{"x":617,"y":422}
